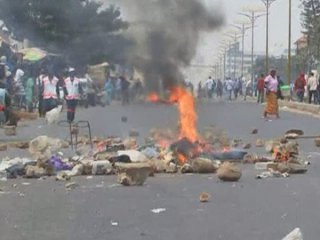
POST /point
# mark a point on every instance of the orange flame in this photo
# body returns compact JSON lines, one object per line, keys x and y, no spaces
{"x":182,"y":159}
{"x":153,"y":97}
{"x":187,"y":112}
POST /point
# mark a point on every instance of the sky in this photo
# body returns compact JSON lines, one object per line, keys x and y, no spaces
{"x":278,"y":27}
{"x":278,"y":22}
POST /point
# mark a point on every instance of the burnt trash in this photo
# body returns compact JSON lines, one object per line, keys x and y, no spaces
{"x":229,"y":154}
{"x":124,"y":119}
{"x":254,"y":131}
{"x":184,"y":147}
{"x":120,"y":159}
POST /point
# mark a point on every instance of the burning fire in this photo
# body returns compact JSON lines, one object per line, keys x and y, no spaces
{"x":153,"y":97}
{"x":182,"y":159}
{"x":187,"y":120}
{"x":187,"y":113}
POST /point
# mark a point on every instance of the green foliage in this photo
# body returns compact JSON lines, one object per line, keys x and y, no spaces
{"x":82,"y":30}
{"x":311,"y":23}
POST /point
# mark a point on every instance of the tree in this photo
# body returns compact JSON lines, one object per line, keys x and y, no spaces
{"x":311,"y":24}
{"x":82,"y":30}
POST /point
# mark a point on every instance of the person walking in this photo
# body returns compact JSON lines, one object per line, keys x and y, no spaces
{"x":209,"y":87}
{"x":109,"y":88}
{"x":299,"y":87}
{"x":125,"y":84}
{"x":271,"y":83}
{"x":219,"y":88}
{"x":260,"y":87}
{"x":5,"y":102}
{"x":39,"y":84}
{"x":29,"y":92}
{"x":312,"y":86}
{"x":50,"y":92}
{"x":20,"y":92}
{"x":72,"y":90}
{"x":229,"y":87}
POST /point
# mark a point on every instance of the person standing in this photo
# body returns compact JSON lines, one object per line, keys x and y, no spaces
{"x":29,"y":92}
{"x":209,"y":86}
{"x":229,"y":87}
{"x":271,"y":83}
{"x":199,"y":90}
{"x":5,"y":102}
{"x":219,"y":88}
{"x":125,"y":84}
{"x":312,"y":87}
{"x":50,"y":92}
{"x":39,"y":84}
{"x":260,"y":87}
{"x":299,"y":87}
{"x":109,"y":88}
{"x":72,"y":90}
{"x":237,"y":86}
{"x":20,"y":91}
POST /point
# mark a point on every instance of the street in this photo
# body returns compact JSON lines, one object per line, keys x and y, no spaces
{"x":99,"y":209}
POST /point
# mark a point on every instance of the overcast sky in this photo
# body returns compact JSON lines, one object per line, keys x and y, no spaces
{"x":279,"y":19}
{"x":278,"y":34}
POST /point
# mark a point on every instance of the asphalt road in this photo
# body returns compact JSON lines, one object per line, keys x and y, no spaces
{"x":99,"y":209}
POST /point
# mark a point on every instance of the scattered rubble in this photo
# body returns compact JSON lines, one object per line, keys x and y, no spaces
{"x":229,"y":172}
{"x":296,"y":234}
{"x":260,"y":143}
{"x":254,"y":131}
{"x":205,"y":197}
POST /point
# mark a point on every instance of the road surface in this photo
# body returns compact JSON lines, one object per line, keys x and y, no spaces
{"x":101,"y":210}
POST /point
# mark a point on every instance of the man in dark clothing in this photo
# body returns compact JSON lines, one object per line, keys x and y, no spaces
{"x":125,"y":84}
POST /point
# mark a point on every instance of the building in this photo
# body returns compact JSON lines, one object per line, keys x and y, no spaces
{"x":233,"y":62}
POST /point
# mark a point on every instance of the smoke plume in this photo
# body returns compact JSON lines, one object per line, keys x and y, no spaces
{"x":166,"y":33}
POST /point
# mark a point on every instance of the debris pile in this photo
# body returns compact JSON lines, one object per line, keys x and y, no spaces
{"x":161,"y":153}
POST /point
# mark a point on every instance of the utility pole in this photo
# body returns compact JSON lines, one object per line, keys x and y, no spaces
{"x":289,"y":47}
{"x":243,"y":28}
{"x":267,"y":4}
{"x":252,"y":16}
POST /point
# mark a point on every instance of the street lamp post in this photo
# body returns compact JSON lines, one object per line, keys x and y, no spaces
{"x":252,"y":16}
{"x":243,"y":28}
{"x":289,"y":48}
{"x":234,"y":36}
{"x":267,"y":4}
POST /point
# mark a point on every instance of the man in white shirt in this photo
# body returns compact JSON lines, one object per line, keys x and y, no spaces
{"x":312,"y":85}
{"x":209,"y":85}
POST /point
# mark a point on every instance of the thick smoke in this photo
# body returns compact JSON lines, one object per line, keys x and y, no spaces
{"x":166,"y":34}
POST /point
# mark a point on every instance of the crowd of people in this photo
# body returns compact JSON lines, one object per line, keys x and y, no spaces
{"x":308,"y":86}
{"x":23,"y":87}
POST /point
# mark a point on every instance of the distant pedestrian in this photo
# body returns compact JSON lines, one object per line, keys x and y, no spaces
{"x":72,"y":90}
{"x":50,"y":92}
{"x":248,"y":90}
{"x":29,"y":92}
{"x":312,"y":88}
{"x":272,"y":107}
{"x":299,"y":87}
{"x":125,"y":84}
{"x":219,"y":89}
{"x":237,"y":87}
{"x":209,"y":86}
{"x":229,"y":87}
{"x":260,"y":87}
